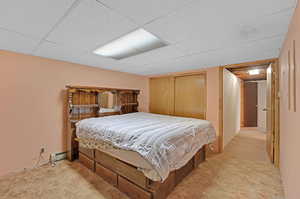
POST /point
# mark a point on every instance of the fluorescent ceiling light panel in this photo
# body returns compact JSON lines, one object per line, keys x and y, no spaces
{"x":134,"y":43}
{"x":254,"y":72}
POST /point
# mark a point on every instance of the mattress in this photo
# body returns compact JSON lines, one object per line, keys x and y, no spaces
{"x":156,"y":144}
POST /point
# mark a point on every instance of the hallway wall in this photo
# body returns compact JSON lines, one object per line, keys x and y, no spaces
{"x":231,"y":106}
{"x":289,"y":125}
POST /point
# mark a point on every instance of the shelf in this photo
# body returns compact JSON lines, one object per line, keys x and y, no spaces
{"x":84,"y":105}
{"x":97,"y":105}
{"x":130,"y":104}
{"x":74,"y":121}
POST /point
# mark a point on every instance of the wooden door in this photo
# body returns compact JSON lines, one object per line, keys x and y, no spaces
{"x":262,"y":105}
{"x":250,"y":104}
{"x":190,"y":96}
{"x":162,"y":95}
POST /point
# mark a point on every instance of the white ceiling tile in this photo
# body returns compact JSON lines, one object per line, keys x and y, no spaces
{"x":16,"y":42}
{"x":55,"y":51}
{"x":249,"y":30}
{"x":143,"y":11}
{"x":164,"y":53}
{"x":252,"y":51}
{"x":96,"y":60}
{"x":200,"y":33}
{"x":32,"y":17}
{"x":90,"y":25}
{"x":102,"y":62}
{"x":264,"y":26}
{"x":210,"y":19}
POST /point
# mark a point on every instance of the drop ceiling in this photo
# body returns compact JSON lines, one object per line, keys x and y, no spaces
{"x":199,"y":33}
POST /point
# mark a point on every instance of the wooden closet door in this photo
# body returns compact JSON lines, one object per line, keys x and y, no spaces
{"x":162,"y":95}
{"x":190,"y":96}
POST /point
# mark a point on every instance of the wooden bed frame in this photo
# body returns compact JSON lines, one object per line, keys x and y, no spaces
{"x":126,"y":177}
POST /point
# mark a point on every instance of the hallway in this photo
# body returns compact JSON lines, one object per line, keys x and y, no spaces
{"x":249,"y":144}
{"x":241,"y":172}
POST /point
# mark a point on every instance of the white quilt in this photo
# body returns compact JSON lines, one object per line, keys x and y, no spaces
{"x":166,"y":142}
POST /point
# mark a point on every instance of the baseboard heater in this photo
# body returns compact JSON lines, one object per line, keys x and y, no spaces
{"x":58,"y":156}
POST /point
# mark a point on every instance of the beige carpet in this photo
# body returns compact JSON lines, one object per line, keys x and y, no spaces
{"x":242,"y":171}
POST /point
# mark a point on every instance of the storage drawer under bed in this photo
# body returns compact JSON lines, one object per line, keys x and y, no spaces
{"x":90,"y":153}
{"x":129,"y":179}
{"x":108,"y":175}
{"x":86,"y":161}
{"x":132,"y":190}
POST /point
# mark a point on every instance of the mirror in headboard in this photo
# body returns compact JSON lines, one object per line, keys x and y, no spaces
{"x":108,"y":102}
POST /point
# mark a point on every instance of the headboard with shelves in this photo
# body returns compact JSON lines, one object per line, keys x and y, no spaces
{"x":85,"y":102}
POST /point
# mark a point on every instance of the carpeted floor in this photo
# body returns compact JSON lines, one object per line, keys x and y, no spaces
{"x":241,"y":172}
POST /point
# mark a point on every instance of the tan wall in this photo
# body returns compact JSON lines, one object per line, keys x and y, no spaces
{"x":231,"y":106}
{"x":290,"y":120}
{"x":32,"y":104}
{"x":213,"y":97}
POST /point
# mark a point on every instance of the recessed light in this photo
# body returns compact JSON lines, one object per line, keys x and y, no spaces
{"x":134,"y":43}
{"x":254,"y":72}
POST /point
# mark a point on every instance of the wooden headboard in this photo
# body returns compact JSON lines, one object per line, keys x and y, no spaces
{"x":83,"y":102}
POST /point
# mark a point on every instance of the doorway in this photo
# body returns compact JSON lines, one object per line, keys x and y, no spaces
{"x":254,"y":104}
{"x":253,"y":95}
{"x":259,"y":104}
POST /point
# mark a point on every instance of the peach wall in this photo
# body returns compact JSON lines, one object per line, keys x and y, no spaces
{"x":213,"y":97}
{"x":32,"y":104}
{"x":289,"y":126}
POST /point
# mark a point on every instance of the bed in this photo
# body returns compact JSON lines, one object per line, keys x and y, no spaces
{"x":156,"y":144}
{"x":144,"y":155}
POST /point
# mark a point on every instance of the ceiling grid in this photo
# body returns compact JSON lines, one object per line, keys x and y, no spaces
{"x":199,"y":33}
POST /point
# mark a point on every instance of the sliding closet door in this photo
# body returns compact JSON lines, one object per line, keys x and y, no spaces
{"x":190,"y":96}
{"x":162,"y":95}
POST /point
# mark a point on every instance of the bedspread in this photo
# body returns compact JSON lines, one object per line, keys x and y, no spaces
{"x":166,"y":142}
